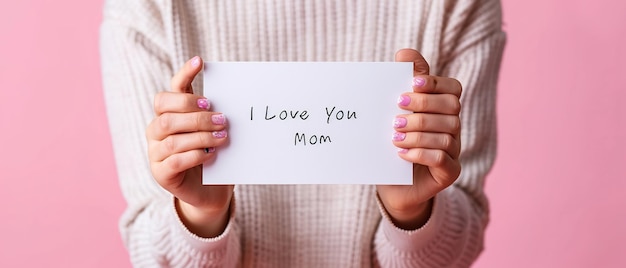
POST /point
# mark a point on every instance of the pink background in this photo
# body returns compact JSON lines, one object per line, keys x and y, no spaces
{"x":557,"y":190}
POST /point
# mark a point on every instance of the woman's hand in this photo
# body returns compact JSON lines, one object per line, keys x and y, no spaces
{"x":429,"y":138}
{"x":182,"y":136}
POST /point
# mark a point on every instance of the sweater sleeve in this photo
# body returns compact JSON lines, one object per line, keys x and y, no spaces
{"x":454,"y":234}
{"x":135,"y":66}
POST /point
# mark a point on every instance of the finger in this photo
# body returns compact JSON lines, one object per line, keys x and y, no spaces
{"x":179,"y":143}
{"x":174,"y":123}
{"x":420,"y":66}
{"x":430,"y":103}
{"x":443,"y":168}
{"x":437,"y":85}
{"x":438,"y":123}
{"x":427,"y":140}
{"x":177,"y":163}
{"x":170,"y":102}
{"x":181,"y":82}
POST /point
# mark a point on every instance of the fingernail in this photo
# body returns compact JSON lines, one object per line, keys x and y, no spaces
{"x":218,"y":119}
{"x":398,"y":136}
{"x":209,"y":150}
{"x":404,"y":100}
{"x":195,"y":61}
{"x":418,"y":81}
{"x":399,"y":122}
{"x":204,"y":104}
{"x":220,"y":134}
{"x":403,"y":151}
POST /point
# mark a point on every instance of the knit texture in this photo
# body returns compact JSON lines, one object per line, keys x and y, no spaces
{"x":144,"y":42}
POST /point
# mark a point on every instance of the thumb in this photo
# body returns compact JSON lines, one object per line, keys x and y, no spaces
{"x":181,"y":81}
{"x":420,"y":66}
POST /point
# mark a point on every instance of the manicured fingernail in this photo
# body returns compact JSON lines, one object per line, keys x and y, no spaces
{"x":418,"y":81}
{"x":404,"y":100}
{"x":204,"y":104}
{"x":403,"y":151}
{"x":220,"y":134}
{"x":209,"y":150}
{"x":399,"y":122}
{"x":398,"y":136}
{"x":218,"y":119}
{"x":195,"y":61}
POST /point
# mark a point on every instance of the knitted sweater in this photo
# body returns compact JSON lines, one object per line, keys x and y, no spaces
{"x":144,"y":42}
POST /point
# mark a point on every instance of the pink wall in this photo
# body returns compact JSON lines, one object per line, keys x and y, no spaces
{"x":556,"y":191}
{"x":59,"y":196}
{"x":559,"y":185}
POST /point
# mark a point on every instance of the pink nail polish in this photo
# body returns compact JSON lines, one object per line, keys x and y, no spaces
{"x":209,"y":150}
{"x":220,"y":134}
{"x":418,"y":81}
{"x":399,"y":122}
{"x":195,"y":61}
{"x":403,"y":151}
{"x":218,"y":119}
{"x":398,"y":136}
{"x":404,"y":100}
{"x":204,"y":104}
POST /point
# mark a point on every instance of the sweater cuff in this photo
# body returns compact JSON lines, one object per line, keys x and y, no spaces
{"x":203,"y":244}
{"x":413,"y":240}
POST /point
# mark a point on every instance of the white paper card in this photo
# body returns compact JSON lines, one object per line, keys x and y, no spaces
{"x":307,"y":122}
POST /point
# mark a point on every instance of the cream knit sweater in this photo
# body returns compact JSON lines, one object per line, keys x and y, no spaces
{"x":144,"y":42}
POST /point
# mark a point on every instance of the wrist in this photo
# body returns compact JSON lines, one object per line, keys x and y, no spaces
{"x":411,"y":219}
{"x":203,"y":223}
